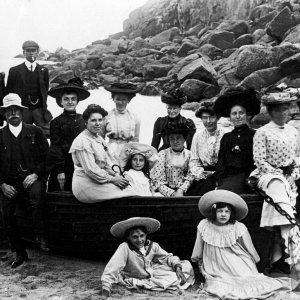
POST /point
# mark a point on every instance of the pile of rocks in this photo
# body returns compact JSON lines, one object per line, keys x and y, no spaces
{"x":258,"y":44}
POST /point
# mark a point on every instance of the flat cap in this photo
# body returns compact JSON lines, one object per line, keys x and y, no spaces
{"x":30,"y":44}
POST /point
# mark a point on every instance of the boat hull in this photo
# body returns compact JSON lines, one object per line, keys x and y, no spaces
{"x":83,"y":229}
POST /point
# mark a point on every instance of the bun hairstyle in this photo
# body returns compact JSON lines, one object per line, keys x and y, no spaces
{"x":206,"y":107}
{"x":218,"y":205}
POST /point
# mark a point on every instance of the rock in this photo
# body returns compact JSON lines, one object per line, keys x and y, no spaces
{"x":269,"y":40}
{"x":137,"y":44}
{"x":211,"y":91}
{"x":262,"y":78}
{"x":164,"y":36}
{"x":237,"y":27}
{"x":221,"y":39}
{"x":281,"y":23}
{"x":116,"y":36}
{"x":260,"y":11}
{"x":61,"y":53}
{"x":43,"y":55}
{"x":260,"y":120}
{"x":172,"y":49}
{"x":146,"y":52}
{"x":263,"y":21}
{"x":135,"y":66}
{"x":290,"y":65}
{"x":106,"y":42}
{"x":291,"y":80}
{"x":155,"y":71}
{"x":292,"y":35}
{"x":227,"y":79}
{"x":194,"y":89}
{"x":211,"y":51}
{"x":185,"y":48}
{"x":228,"y":52}
{"x":252,"y":58}
{"x":94,"y":64}
{"x":108,"y":70}
{"x":107,"y":64}
{"x":123,"y":46}
{"x":245,"y":39}
{"x":183,"y":62}
{"x":285,"y":50}
{"x":108,"y":79}
{"x":150,"y":89}
{"x":194,"y":30}
{"x":202,"y":32}
{"x":62,"y":75}
{"x":74,"y":65}
{"x":80,"y":57}
{"x":258,"y":34}
{"x":199,"y":69}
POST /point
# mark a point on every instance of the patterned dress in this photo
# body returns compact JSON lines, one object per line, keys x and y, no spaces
{"x":226,"y":257}
{"x":171,"y":171}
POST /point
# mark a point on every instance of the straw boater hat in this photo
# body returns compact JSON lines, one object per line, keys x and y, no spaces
{"x":248,"y":98}
{"x":74,"y":85}
{"x":175,"y":97}
{"x":118,"y":230}
{"x":280,"y":94}
{"x":124,"y":88}
{"x":149,"y":152}
{"x":10,"y":100}
{"x":209,"y":199}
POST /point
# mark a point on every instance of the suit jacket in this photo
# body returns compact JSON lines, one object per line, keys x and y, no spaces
{"x":16,"y":84}
{"x":35,"y":148}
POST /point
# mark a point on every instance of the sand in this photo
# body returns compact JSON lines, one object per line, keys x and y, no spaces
{"x":49,"y":276}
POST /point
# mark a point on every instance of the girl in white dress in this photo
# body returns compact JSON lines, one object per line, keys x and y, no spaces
{"x":137,"y":159}
{"x":225,"y":253}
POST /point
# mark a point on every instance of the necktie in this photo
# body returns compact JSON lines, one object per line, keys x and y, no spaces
{"x":31,"y":68}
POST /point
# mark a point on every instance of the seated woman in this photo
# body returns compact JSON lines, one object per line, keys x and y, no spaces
{"x":171,"y":175}
{"x":137,"y":159}
{"x":275,"y":152}
{"x":225,"y":253}
{"x":139,"y":263}
{"x":235,"y":159}
{"x":93,"y":179}
{"x":174,"y":101}
{"x":121,"y":126}
{"x":63,"y":130}
{"x":205,"y":149}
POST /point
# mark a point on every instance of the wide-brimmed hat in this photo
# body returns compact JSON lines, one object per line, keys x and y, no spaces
{"x":174,"y":97}
{"x":248,"y":98}
{"x":73,"y":85}
{"x":149,"y":152}
{"x":30,"y":45}
{"x":209,"y":199}
{"x":10,"y":100}
{"x":124,"y":88}
{"x":118,"y":230}
{"x":184,"y":128}
{"x":205,"y":106}
{"x":280,"y":94}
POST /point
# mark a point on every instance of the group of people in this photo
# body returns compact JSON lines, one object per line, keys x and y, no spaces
{"x":80,"y":160}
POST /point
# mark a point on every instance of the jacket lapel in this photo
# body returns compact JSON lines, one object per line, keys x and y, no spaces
{"x":7,"y":144}
{"x":22,"y":72}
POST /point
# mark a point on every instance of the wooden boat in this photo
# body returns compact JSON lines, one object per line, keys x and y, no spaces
{"x":83,"y":229}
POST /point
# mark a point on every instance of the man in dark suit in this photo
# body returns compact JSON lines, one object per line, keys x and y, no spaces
{"x":23,"y":151}
{"x":31,"y":82}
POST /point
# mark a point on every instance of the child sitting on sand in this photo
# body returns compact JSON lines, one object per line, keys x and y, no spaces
{"x":225,"y":252}
{"x":137,"y":159}
{"x":141,"y":263}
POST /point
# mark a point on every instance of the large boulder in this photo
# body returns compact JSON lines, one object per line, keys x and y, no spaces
{"x":263,"y":21}
{"x":183,"y":62}
{"x":285,"y":50}
{"x":171,"y":49}
{"x":194,"y":30}
{"x":245,"y":39}
{"x":146,"y":52}
{"x":135,"y":66}
{"x":61,"y":53}
{"x":194,"y":89}
{"x":185,"y":48}
{"x":258,"y":34}
{"x":237,"y":27}
{"x":260,"y":11}
{"x":152,"y":71}
{"x":252,"y":58}
{"x":211,"y":51}
{"x":164,"y":36}
{"x":228,"y":78}
{"x":262,"y":78}
{"x":281,"y":23}
{"x":290,"y":65}
{"x":137,"y":44}
{"x":199,"y":69}
{"x":292,"y":35}
{"x":219,"y":39}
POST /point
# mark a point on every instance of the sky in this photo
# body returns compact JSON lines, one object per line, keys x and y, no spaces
{"x":71,"y":24}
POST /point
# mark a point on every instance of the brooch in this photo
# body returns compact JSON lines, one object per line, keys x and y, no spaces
{"x":236,"y":149}
{"x":31,"y":137}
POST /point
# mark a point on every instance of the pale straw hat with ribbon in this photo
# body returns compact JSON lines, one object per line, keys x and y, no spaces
{"x":11,"y":100}
{"x":130,"y":149}
{"x":118,"y":230}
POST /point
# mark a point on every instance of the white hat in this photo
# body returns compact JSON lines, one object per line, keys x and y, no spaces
{"x":10,"y":100}
{"x":118,"y":230}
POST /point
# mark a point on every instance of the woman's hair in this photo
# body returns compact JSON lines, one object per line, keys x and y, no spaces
{"x":270,"y":107}
{"x":129,"y":96}
{"x":128,"y":231}
{"x":213,"y":215}
{"x":145,"y":170}
{"x":206,"y":107}
{"x":92,"y":109}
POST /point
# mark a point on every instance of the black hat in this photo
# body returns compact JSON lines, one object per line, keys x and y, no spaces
{"x":124,"y":88}
{"x":248,"y":98}
{"x":74,"y":85}
{"x":175,"y":97}
{"x":184,"y":128}
{"x":30,"y":44}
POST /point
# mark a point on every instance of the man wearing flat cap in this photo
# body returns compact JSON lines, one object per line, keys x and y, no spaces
{"x":31,"y":82}
{"x":23,"y":150}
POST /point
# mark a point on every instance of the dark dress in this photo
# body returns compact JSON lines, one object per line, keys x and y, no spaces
{"x":63,"y":130}
{"x":235,"y":160}
{"x":162,"y":122}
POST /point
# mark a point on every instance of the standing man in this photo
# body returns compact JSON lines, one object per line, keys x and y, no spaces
{"x":31,"y":82}
{"x":23,"y":151}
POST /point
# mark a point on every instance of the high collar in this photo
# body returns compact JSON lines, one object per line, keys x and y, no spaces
{"x":175,"y":151}
{"x":29,"y":64}
{"x":174,"y":119}
{"x":69,"y":113}
{"x":240,"y":128}
{"x":274,"y":125}
{"x":15,"y":130}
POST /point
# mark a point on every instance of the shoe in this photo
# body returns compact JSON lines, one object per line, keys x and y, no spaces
{"x":20,"y":258}
{"x":44,"y":246}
